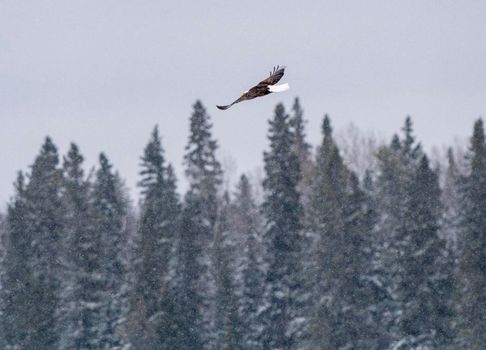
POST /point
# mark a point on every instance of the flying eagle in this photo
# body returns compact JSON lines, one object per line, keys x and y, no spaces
{"x":263,"y":88}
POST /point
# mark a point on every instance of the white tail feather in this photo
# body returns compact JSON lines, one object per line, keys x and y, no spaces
{"x":278,"y":88}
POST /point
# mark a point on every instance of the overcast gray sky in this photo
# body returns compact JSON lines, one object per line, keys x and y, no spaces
{"x":103,"y":73}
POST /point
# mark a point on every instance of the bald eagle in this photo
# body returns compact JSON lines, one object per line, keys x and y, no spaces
{"x":263,"y":88}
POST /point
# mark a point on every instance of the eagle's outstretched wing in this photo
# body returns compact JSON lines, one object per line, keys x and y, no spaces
{"x":228,"y":106}
{"x":262,"y":88}
{"x":274,"y":77}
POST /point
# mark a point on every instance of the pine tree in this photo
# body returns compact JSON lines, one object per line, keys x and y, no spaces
{"x":195,"y":289}
{"x":157,"y":231}
{"x":110,"y":208}
{"x":283,"y":210}
{"x":83,"y":288}
{"x":472,"y":261}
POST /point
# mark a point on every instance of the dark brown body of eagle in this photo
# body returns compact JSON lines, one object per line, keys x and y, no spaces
{"x":263,"y":88}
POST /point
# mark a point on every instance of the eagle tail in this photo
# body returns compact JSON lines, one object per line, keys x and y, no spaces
{"x":278,"y":88}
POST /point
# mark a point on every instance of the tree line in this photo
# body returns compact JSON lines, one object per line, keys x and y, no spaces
{"x":329,"y":258}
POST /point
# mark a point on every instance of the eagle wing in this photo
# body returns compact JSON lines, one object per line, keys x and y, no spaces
{"x":274,"y":77}
{"x":261,"y":89}
{"x":228,"y":106}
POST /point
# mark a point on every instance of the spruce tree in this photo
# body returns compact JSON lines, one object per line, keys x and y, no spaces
{"x":339,"y":315}
{"x":110,"y":210}
{"x":83,"y":287}
{"x":2,"y":271}
{"x":412,"y":264}
{"x":472,"y":261}
{"x":17,"y":274}
{"x":247,"y":224}
{"x":359,"y":219}
{"x":139,"y":329}
{"x":297,"y":121}
{"x":409,"y":147}
{"x":157,"y":231}
{"x":451,"y":199}
{"x":283,"y":211}
{"x":397,"y":164}
{"x":195,"y":291}
{"x":373,"y":271}
{"x":33,"y":245}
{"x":424,"y":290}
{"x":227,"y":319}
{"x":43,"y":194}
{"x":2,"y":235}
{"x":328,"y":203}
{"x":303,"y":151}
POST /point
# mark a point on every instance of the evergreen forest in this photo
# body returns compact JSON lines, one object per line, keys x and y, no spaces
{"x":325,"y":251}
